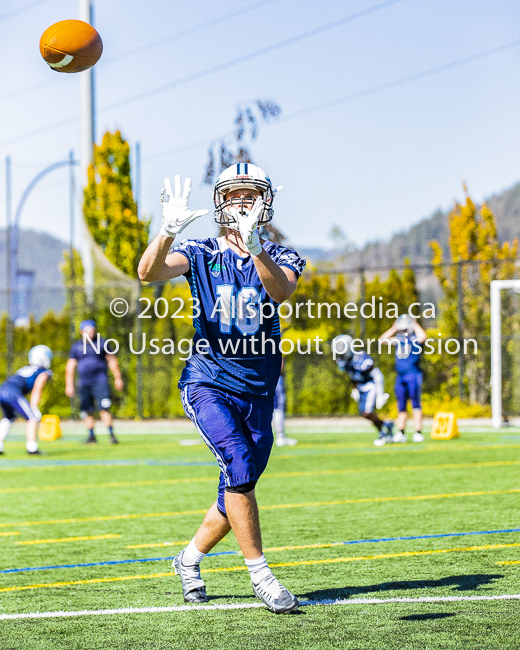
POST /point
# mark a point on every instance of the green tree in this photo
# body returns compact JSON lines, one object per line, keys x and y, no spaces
{"x":109,"y":206}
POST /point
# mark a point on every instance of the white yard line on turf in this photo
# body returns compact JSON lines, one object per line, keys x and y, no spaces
{"x":305,"y":603}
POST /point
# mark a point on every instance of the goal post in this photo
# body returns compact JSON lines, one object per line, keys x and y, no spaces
{"x":496,"y":346}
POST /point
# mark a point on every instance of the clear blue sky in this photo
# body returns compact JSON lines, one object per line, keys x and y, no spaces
{"x":374,"y":164}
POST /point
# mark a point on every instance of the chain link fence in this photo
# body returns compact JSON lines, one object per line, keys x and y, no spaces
{"x":314,"y":384}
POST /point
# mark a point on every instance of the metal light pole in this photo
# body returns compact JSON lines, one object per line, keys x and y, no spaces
{"x":72,"y":230}
{"x":14,"y":229}
{"x":9,"y":288}
{"x":88,"y":131}
{"x":139,"y":324}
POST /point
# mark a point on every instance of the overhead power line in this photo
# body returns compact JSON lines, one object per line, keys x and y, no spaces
{"x":213,"y":69}
{"x":149,"y":46}
{"x":248,"y":57}
{"x":19,"y":10}
{"x":429,"y":72}
{"x":186,"y":32}
{"x":401,"y":81}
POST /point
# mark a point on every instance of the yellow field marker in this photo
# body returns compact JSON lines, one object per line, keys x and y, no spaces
{"x":158,"y":545}
{"x":382,"y":556}
{"x":310,"y":504}
{"x":510,"y":562}
{"x":9,"y":534}
{"x":297,"y":474}
{"x":82,"y":538}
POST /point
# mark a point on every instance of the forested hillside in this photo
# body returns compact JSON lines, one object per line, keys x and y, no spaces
{"x":414,"y":242}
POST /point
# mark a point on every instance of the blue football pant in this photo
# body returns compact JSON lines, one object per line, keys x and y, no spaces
{"x":408,"y":387}
{"x":237,"y":430}
{"x":15,"y":405}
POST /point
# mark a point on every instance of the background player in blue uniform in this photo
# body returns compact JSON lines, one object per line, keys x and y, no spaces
{"x":29,"y":379}
{"x":94,"y":389}
{"x":368,"y":384}
{"x":408,"y":337}
{"x":228,"y":386}
{"x":281,"y":440}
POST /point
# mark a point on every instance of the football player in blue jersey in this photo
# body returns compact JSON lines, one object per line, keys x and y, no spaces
{"x":29,"y":379}
{"x":408,"y":337}
{"x":368,"y":384}
{"x":228,"y":383}
{"x":94,"y":389}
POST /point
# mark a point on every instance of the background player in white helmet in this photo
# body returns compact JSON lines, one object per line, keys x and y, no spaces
{"x":368,"y":384}
{"x":228,"y":390}
{"x":407,"y":336}
{"x":29,"y":379}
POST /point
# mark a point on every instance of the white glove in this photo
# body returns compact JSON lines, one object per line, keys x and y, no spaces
{"x":248,"y":226}
{"x":355,"y":395}
{"x":37,"y":413}
{"x":381,"y":400}
{"x":176,"y":214}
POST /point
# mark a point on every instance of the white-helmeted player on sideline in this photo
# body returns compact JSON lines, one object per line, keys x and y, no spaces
{"x":29,"y":379}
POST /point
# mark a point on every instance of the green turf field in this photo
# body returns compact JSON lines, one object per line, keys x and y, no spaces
{"x":144,"y":498}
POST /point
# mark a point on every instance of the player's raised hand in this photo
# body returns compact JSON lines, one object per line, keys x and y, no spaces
{"x":176,"y":214}
{"x":248,"y":226}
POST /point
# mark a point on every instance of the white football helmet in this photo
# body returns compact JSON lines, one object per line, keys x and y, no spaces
{"x":404,"y":324}
{"x":40,"y":355}
{"x":242,"y":176}
{"x":342,"y":344}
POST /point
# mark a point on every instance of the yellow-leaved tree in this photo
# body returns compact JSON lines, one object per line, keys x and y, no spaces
{"x":109,"y":206}
{"x":477,"y":257}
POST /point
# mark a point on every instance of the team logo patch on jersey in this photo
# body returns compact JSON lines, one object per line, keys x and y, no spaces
{"x":216,"y":268}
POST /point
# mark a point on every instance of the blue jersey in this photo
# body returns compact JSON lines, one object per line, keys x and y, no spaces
{"x":358,"y":368}
{"x":408,"y":354}
{"x":243,"y":333}
{"x":22,"y":382}
{"x":92,"y":367}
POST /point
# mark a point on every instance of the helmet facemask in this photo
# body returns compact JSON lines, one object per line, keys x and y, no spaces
{"x":243,"y":204}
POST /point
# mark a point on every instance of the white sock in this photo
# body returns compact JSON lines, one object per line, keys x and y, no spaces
{"x":31,"y":446}
{"x":192,"y":555}
{"x":258,"y":569}
{"x":5,"y":426}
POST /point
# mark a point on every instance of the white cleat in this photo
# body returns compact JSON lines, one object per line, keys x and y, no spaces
{"x":193,"y":587}
{"x":285,"y":442}
{"x":275,"y":596}
{"x":399,"y":436}
{"x":418,"y":437}
{"x":382,"y":440}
